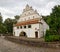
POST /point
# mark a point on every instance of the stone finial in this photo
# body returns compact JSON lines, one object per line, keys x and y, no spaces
{"x":27,"y":6}
{"x":36,"y":11}
{"x":31,"y":7}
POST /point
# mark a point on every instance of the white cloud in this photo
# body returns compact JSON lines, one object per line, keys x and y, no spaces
{"x":6,"y":16}
{"x":10,"y":8}
{"x":5,"y":10}
{"x":6,"y":13}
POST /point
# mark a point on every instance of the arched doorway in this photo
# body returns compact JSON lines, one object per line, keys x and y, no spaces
{"x":23,"y":34}
{"x":36,"y":34}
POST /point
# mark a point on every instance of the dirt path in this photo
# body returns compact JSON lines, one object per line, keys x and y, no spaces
{"x":7,"y":46}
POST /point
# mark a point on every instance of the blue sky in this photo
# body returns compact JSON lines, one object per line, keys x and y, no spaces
{"x":10,"y":8}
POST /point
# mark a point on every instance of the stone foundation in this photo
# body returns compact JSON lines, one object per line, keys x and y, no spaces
{"x":33,"y":42}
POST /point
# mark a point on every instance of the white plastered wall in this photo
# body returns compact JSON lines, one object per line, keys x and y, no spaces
{"x":30,"y":32}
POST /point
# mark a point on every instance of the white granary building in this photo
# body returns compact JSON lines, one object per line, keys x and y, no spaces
{"x":30,"y":24}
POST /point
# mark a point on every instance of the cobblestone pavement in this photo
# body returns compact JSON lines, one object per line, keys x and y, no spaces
{"x":7,"y":46}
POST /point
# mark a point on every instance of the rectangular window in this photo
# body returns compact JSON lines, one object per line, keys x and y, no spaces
{"x":29,"y":26}
{"x":24,"y":26}
{"x":29,"y":18}
{"x":21,"y":27}
{"x":25,"y":19}
{"x":14,"y":33}
{"x":33,"y":17}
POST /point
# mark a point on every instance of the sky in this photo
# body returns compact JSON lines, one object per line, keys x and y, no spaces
{"x":11,"y":8}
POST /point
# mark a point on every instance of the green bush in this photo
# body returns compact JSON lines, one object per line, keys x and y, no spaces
{"x":49,"y":37}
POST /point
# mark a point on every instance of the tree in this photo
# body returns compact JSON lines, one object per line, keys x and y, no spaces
{"x":2,"y":26}
{"x":53,"y":34}
{"x":54,"y":19}
{"x":14,"y":21}
{"x":17,"y":17}
{"x":9,"y":25}
{"x":1,"y":20}
{"x":3,"y":29}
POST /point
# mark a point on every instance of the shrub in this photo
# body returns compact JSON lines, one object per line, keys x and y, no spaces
{"x":49,"y":37}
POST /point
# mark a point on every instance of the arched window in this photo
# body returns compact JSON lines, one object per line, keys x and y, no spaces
{"x":25,"y":26}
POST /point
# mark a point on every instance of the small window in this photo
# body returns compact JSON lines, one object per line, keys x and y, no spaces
{"x":29,"y":12}
{"x":14,"y":33}
{"x":18,"y":27}
{"x":25,"y":14}
{"x":29,"y":17}
{"x":21,"y":27}
{"x":25,"y":19}
{"x":33,"y":17}
{"x":29,"y":26}
{"x":24,"y":26}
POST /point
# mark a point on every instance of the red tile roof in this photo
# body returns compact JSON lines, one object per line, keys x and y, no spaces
{"x":32,"y":21}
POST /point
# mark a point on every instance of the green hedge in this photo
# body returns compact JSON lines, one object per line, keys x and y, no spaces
{"x":52,"y":38}
{"x":49,"y":37}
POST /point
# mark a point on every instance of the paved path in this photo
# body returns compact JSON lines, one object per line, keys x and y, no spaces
{"x":7,"y":46}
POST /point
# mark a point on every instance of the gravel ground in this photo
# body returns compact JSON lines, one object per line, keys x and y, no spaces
{"x":7,"y":46}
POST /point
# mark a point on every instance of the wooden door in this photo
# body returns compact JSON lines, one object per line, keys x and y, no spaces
{"x":36,"y":34}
